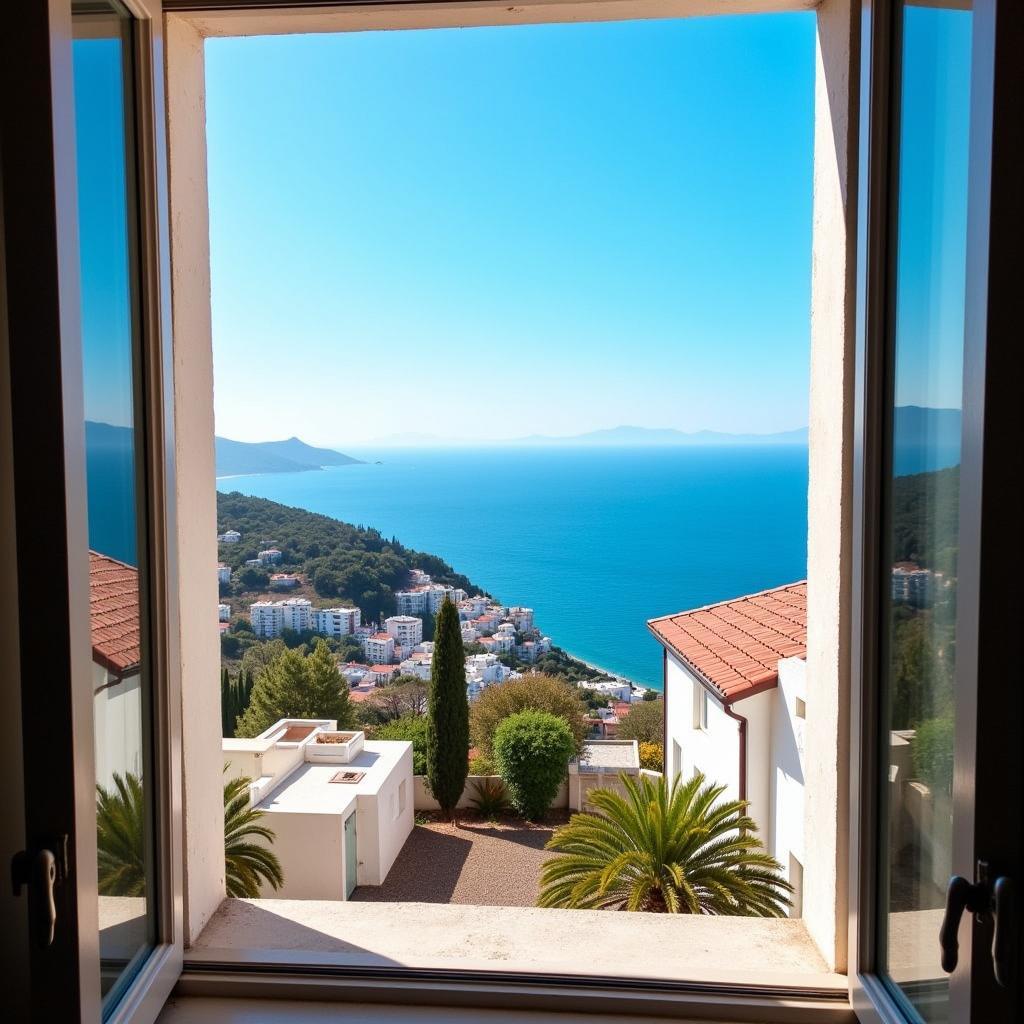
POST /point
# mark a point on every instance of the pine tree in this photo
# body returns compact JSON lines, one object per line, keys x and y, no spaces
{"x":293,"y":686}
{"x":447,"y":713}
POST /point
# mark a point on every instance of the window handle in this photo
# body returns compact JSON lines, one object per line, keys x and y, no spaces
{"x":40,"y":871}
{"x":1003,"y":934}
{"x":961,"y":895}
{"x":987,"y":900}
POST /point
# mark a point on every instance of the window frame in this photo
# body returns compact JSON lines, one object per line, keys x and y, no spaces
{"x":189,"y":23}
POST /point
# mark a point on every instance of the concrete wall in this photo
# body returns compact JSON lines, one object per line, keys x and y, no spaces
{"x":311,"y":850}
{"x":714,"y":751}
{"x":759,"y":711}
{"x":117,"y":725}
{"x":423,"y":801}
{"x":830,"y":487}
{"x":194,"y":483}
{"x":788,"y":740}
{"x":385,"y":819}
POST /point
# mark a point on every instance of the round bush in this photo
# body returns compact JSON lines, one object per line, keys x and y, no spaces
{"x":412,"y":728}
{"x":532,"y":751}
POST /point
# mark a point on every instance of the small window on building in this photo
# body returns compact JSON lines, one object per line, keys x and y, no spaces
{"x":801,"y":707}
{"x":700,"y":708}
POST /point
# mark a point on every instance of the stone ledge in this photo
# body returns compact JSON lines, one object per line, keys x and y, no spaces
{"x":600,"y":944}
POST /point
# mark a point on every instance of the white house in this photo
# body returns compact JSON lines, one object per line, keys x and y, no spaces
{"x":270,"y":557}
{"x":336,"y":622}
{"x":417,"y":664}
{"x":116,"y":656}
{"x":406,"y":629}
{"x":223,"y":574}
{"x":486,"y":669}
{"x":340,"y":806}
{"x":229,"y":537}
{"x":284,"y":581}
{"x":223,"y":613}
{"x":735,"y":704}
{"x":379,"y":648}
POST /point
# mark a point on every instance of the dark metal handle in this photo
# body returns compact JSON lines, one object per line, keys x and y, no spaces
{"x":960,"y":896}
{"x":1003,"y":912}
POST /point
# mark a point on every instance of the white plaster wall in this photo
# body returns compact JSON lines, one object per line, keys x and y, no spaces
{"x":194,"y":483}
{"x":425,"y":802}
{"x":117,"y":725}
{"x":788,"y":744}
{"x":830,"y":487}
{"x":311,"y":850}
{"x":382,"y":828}
{"x":714,"y":751}
{"x":759,"y":711}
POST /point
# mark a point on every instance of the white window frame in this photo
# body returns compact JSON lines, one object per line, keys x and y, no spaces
{"x":188,"y":24}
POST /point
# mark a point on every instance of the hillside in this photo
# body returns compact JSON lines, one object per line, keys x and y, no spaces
{"x":925,"y":519}
{"x":236,"y":458}
{"x":339,"y":562}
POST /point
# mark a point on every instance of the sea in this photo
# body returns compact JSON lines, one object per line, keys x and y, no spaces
{"x":596,"y":541}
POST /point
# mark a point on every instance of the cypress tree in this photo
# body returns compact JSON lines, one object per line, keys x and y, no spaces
{"x":228,"y":711}
{"x":447,"y":713}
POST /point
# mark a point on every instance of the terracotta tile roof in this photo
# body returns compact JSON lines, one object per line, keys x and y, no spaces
{"x":736,"y":646}
{"x":114,"y":614}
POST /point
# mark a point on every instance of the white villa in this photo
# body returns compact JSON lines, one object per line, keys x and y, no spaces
{"x":229,"y":537}
{"x":340,"y":806}
{"x":735,"y":705}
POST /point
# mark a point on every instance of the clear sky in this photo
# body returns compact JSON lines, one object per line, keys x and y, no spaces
{"x":488,"y":233}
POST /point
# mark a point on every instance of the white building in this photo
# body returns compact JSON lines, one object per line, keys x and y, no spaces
{"x":424,"y":598}
{"x":354,"y":672}
{"x":270,"y":617}
{"x":284,"y":581}
{"x":735,"y":709}
{"x":521,"y":618}
{"x":270,"y":557}
{"x":406,"y":629}
{"x":471,"y":607}
{"x":230,"y":537}
{"x":486,"y":669}
{"x":379,"y":648}
{"x":614,"y":690}
{"x":336,"y":622}
{"x":531,"y":650}
{"x":223,"y":574}
{"x":223,"y":613}
{"x":340,"y":811}
{"x":416,"y":665}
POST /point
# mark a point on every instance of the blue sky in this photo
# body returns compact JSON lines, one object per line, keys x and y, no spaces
{"x":496,"y":232}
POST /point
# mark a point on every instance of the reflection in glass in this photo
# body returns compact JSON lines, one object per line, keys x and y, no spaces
{"x":923,"y":494}
{"x":110,"y":339}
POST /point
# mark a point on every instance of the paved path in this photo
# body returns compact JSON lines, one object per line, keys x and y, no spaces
{"x":472,"y":863}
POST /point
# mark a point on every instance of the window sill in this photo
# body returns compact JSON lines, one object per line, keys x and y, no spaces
{"x":523,"y":957}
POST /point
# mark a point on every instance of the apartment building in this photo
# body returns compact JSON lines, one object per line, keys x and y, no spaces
{"x":270,"y":617}
{"x":223,"y":574}
{"x":406,"y":629}
{"x":229,"y":537}
{"x":426,"y":598}
{"x":379,"y":648}
{"x":336,"y":622}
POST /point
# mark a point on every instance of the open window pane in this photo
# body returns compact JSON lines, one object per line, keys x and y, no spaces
{"x":920,"y":607}
{"x":104,"y":109}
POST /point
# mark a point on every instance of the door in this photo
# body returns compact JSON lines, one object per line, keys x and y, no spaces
{"x":96,"y":871}
{"x":938,"y":778}
{"x":351,"y":855}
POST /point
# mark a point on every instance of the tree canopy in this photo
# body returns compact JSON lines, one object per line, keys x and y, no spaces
{"x":294,"y":685}
{"x":644,"y":723}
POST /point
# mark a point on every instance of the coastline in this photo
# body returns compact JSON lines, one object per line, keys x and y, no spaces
{"x":616,"y":676}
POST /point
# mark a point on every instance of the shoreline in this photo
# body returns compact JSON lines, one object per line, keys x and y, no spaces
{"x":616,"y":676}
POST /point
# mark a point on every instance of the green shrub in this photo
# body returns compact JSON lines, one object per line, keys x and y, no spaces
{"x":933,"y":753}
{"x":490,"y":798}
{"x":412,"y":728}
{"x":652,"y":757}
{"x":532,"y":751}
{"x":482,"y":765}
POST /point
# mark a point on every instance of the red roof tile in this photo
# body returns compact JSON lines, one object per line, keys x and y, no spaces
{"x":736,"y":646}
{"x":114,"y":614}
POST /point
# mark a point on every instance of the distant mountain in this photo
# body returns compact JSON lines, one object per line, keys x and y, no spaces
{"x":638,"y":436}
{"x":242,"y":458}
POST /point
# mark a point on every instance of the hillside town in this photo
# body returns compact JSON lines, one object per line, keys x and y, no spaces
{"x":395,"y":646}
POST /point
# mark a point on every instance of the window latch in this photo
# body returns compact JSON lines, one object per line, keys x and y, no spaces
{"x":41,"y":870}
{"x":987,"y":900}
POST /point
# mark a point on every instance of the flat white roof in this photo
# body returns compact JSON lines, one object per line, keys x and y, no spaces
{"x":609,"y":754}
{"x":309,"y":790}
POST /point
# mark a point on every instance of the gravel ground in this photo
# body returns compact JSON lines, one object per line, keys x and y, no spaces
{"x":474,"y":862}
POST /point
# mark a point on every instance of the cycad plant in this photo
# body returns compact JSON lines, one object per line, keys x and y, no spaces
{"x":677,"y":849}
{"x":121,"y":840}
{"x":246,"y":862}
{"x":120,"y":837}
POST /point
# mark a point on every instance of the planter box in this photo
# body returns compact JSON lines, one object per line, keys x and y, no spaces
{"x":334,"y":747}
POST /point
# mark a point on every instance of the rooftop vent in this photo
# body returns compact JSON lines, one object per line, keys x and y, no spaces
{"x":347,"y":778}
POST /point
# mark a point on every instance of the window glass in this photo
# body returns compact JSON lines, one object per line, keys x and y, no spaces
{"x":110,"y":342}
{"x":923,"y":494}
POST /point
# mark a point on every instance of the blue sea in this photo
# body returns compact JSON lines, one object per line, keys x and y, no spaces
{"x":597,"y":541}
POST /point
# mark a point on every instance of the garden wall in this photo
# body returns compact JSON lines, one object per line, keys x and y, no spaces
{"x":423,"y":801}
